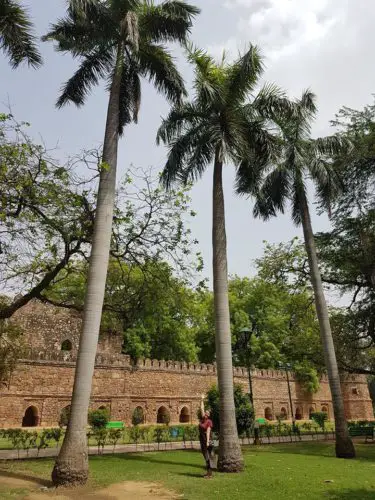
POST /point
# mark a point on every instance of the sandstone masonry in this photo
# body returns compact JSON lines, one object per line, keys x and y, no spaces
{"x":40,"y":388}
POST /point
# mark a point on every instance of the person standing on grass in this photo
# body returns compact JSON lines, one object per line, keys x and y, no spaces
{"x":205,"y":428}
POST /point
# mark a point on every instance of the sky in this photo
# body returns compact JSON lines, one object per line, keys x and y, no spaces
{"x":324,"y":45}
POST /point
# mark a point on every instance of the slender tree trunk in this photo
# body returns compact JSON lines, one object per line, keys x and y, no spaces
{"x":71,"y":466}
{"x":344,"y":444}
{"x":230,"y":457}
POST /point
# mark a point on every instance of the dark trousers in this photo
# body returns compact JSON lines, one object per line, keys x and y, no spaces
{"x":207,"y":453}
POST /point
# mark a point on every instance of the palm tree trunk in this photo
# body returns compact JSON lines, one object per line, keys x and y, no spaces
{"x":71,"y":466}
{"x":344,"y":444}
{"x":230,"y":457}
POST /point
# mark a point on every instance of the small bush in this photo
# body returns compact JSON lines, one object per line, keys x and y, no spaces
{"x":98,"y":419}
{"x":114,"y":435}
{"x":320,"y":417}
{"x":100,"y":434}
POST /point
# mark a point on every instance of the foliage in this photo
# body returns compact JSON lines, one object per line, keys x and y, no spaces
{"x":108,"y":38}
{"x":285,"y":178}
{"x":100,"y":435}
{"x":47,"y":213}
{"x":244,"y":411}
{"x":17,"y":38}
{"x":282,"y":322}
{"x":98,"y":419}
{"x":114,"y":436}
{"x":320,"y":418}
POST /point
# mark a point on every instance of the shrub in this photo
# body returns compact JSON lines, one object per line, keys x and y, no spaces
{"x":98,"y":419}
{"x":320,"y":417}
{"x":55,"y":435}
{"x":100,"y":434}
{"x":244,"y":410}
{"x":135,"y":435}
{"x":114,"y":435}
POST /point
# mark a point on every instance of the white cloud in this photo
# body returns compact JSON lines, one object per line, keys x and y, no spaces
{"x":281,"y":27}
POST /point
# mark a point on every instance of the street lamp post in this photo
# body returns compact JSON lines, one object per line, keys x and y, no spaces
{"x":287,"y":367}
{"x":246,"y":335}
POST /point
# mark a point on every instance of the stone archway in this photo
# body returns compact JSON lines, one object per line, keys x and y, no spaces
{"x":163,"y":416}
{"x":66,"y":345}
{"x":325,"y":409}
{"x":283,"y":413}
{"x":64,"y":416}
{"x":311,"y":411}
{"x":138,"y":416}
{"x":184,"y":415}
{"x":268,"y":415}
{"x":298,"y":414}
{"x":31,"y":417}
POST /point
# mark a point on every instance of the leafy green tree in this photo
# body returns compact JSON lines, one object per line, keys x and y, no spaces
{"x":283,"y":323}
{"x":98,"y":419}
{"x":17,"y":39}
{"x":45,"y":212}
{"x":222,"y":124}
{"x":121,"y":41}
{"x":286,"y":180}
{"x":157,"y":313}
{"x":244,"y":410}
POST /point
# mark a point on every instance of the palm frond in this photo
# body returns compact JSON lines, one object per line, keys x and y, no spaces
{"x":249,"y":177}
{"x":186,"y":115}
{"x":181,"y":150}
{"x":308,"y":102}
{"x":94,"y":66}
{"x":157,"y":64}
{"x":17,"y":37}
{"x":328,"y":182}
{"x":80,"y":36}
{"x":209,"y":78}
{"x":298,"y":196}
{"x":331,"y":145}
{"x":244,"y":74}
{"x":272,"y":102}
{"x":168,"y":21}
{"x":202,"y":155}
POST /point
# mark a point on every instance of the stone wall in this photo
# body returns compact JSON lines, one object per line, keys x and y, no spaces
{"x":44,"y":381}
{"x":45,"y":384}
{"x":46,"y":327}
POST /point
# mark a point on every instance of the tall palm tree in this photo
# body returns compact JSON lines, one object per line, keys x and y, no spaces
{"x":304,"y":159}
{"x":222,"y":124}
{"x":16,"y":35}
{"x":121,"y":41}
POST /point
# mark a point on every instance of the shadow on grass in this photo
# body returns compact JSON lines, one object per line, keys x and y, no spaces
{"x":357,"y":494}
{"x":25,"y":477}
{"x":365,"y":452}
{"x":191,"y":474}
{"x":148,"y":458}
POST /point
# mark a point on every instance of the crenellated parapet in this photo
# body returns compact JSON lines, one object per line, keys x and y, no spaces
{"x":124,"y":361}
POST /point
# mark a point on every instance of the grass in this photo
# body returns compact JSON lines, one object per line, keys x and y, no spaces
{"x":306,"y":471}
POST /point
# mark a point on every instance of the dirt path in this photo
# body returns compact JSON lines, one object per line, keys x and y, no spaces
{"x":128,"y":490}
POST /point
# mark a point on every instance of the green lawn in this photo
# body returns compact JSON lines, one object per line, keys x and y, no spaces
{"x":273,"y":472}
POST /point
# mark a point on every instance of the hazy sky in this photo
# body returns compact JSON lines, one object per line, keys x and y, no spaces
{"x":326,"y":45}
